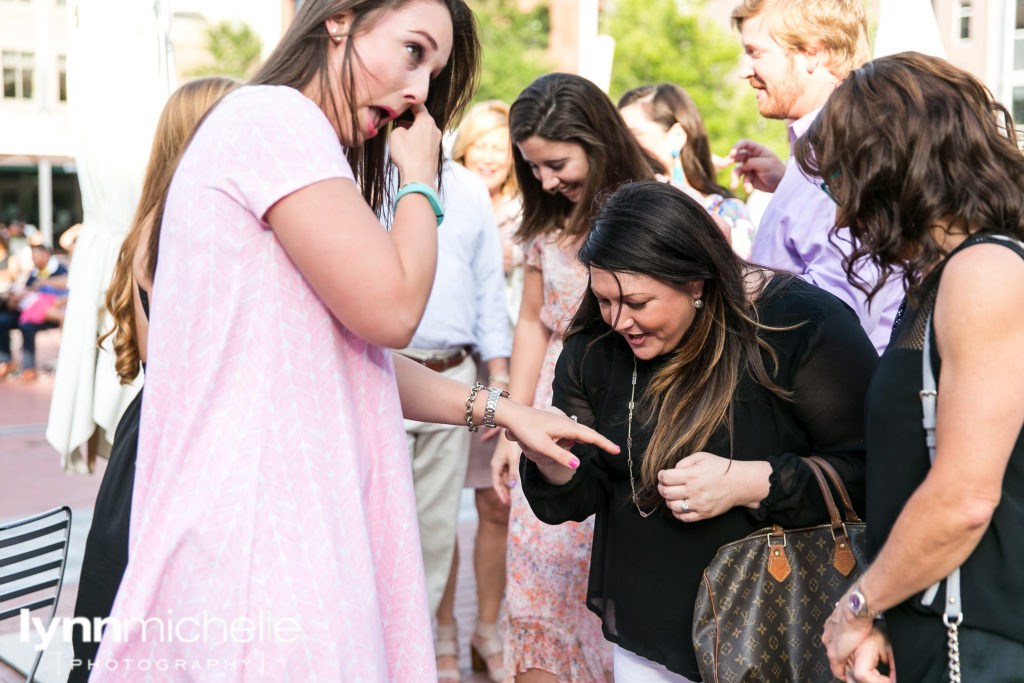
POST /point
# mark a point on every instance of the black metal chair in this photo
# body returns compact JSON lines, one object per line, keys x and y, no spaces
{"x":33,"y":554}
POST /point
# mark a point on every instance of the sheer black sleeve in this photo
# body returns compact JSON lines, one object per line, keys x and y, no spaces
{"x":830,"y":379}
{"x":589,"y":488}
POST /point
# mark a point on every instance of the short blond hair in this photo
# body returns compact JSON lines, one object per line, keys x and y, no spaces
{"x":481,"y":119}
{"x":800,"y":25}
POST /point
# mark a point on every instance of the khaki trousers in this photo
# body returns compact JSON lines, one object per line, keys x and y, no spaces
{"x":439,"y":455}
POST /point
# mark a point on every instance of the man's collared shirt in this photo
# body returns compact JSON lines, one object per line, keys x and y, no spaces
{"x":794,"y":235}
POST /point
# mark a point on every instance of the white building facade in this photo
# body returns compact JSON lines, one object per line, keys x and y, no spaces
{"x":38,"y":181}
{"x":986,"y":37}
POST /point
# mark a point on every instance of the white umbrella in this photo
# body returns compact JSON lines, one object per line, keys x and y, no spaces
{"x":120,"y":73}
{"x":907,"y":25}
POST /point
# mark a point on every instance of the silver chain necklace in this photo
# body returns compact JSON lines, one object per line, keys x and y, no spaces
{"x":629,"y":445}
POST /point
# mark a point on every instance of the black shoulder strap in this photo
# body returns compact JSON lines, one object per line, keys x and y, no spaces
{"x":1010,"y":242}
{"x":989,"y":238}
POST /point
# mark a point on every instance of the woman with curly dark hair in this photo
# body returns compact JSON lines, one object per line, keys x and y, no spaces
{"x":927,"y":174}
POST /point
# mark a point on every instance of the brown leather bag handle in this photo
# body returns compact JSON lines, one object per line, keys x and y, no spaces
{"x":826,"y":493}
{"x":843,"y":558}
{"x":830,"y":472}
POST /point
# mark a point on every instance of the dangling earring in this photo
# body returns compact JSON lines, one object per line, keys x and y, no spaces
{"x":335,"y":37}
{"x":698,"y":303}
{"x":677,"y":167}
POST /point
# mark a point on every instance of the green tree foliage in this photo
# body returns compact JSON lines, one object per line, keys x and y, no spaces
{"x":234,"y":48}
{"x":515,"y":47}
{"x":660,"y":41}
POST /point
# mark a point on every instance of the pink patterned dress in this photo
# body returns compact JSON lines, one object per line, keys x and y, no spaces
{"x":273,"y":530}
{"x":547,"y":624}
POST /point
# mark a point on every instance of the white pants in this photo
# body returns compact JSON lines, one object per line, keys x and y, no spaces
{"x":439,"y":455}
{"x":632,"y":668}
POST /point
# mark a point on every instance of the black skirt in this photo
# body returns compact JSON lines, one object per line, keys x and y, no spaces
{"x":106,"y":548}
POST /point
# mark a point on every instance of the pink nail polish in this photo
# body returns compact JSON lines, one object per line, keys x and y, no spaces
{"x":511,"y":483}
{"x":574,"y":463}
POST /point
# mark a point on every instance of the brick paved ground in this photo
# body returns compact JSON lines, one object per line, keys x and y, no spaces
{"x":31,"y":482}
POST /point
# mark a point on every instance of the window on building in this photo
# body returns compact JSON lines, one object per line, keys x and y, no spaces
{"x":1018,"y":39}
{"x":963,"y":19}
{"x":10,"y":74}
{"x":1018,"y":106}
{"x":62,"y":78}
{"x":27,"y":74}
{"x":19,"y":70}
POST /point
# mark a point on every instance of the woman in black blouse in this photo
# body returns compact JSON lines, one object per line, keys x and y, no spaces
{"x":935,"y":196}
{"x":739,"y":371}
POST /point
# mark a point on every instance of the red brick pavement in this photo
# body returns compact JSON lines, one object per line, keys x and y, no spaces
{"x":31,"y":480}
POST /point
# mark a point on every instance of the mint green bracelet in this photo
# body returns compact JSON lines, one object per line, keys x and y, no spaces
{"x":428,"y":192}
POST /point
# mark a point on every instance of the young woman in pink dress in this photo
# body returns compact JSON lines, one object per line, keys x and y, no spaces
{"x":569,"y":144}
{"x":273,"y":527}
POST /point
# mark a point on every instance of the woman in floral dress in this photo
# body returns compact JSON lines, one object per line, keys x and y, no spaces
{"x":569,"y":145}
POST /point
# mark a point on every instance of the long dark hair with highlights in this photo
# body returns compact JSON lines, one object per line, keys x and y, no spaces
{"x":653,"y":229}
{"x":301,"y":57}
{"x":668,"y":104}
{"x":569,"y":108}
{"x":906,"y":143}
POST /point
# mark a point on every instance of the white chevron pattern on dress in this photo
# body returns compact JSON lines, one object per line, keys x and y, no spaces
{"x":272,"y":474}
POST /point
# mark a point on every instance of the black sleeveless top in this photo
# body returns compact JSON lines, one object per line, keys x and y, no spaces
{"x":992,"y":578}
{"x":145,"y":300}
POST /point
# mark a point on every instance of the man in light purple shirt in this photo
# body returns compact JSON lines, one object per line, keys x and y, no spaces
{"x":795,"y":54}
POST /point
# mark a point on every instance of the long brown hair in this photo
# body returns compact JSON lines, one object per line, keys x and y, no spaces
{"x":184,"y":109}
{"x":668,"y":104}
{"x":301,"y":57}
{"x":678,"y":243}
{"x":569,"y":108}
{"x":946,"y":154}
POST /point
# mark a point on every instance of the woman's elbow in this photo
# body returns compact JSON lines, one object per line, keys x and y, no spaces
{"x":386,"y":331}
{"x":397,"y":334}
{"x":976,"y":513}
{"x":389,"y":325}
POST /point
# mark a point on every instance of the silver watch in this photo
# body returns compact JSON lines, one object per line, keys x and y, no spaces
{"x":858,"y":604}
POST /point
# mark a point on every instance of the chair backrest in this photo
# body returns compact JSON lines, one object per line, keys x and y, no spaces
{"x":33,"y":554}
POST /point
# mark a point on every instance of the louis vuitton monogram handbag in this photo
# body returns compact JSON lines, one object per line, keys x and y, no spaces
{"x":764,"y":600}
